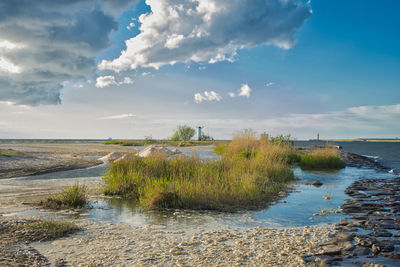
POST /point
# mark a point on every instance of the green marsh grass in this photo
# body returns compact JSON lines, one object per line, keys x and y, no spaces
{"x":322,"y":159}
{"x":72,"y":197}
{"x":250,"y":173}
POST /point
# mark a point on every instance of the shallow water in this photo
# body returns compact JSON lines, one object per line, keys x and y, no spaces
{"x":296,"y":210}
{"x":100,"y":170}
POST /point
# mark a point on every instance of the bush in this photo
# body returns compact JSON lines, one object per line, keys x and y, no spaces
{"x":73,"y":197}
{"x":183,"y":133}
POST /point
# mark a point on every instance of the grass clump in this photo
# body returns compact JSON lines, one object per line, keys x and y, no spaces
{"x":251,"y":172}
{"x":73,"y":197}
{"x":10,"y":152}
{"x":321,"y":159}
{"x":43,"y":230}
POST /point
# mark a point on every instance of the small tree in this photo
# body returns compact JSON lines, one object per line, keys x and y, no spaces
{"x":183,"y":133}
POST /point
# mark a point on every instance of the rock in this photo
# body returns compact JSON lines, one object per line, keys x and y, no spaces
{"x":316,"y":183}
{"x":331,"y":250}
{"x":375,"y":249}
{"x":393,"y":256}
{"x":111,"y":157}
{"x":362,"y":251}
{"x":363,"y":241}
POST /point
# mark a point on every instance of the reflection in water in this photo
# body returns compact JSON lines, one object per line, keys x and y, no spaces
{"x":296,"y":210}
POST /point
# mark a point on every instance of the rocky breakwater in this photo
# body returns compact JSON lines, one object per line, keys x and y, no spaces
{"x":371,"y":232}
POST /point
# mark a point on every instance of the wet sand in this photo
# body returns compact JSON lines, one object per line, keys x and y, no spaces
{"x":44,"y":158}
{"x":107,"y":244}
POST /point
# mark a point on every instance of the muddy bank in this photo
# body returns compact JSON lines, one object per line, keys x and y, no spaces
{"x":46,"y":158}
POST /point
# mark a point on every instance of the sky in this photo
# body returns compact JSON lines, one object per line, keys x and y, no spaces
{"x":132,"y":69}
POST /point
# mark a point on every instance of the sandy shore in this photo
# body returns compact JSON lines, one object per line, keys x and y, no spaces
{"x":105,"y":244}
{"x":44,"y":158}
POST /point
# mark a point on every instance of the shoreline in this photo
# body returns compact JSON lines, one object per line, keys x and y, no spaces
{"x":48,"y":158}
{"x":130,"y":245}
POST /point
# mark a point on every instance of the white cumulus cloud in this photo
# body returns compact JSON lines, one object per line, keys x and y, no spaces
{"x":210,"y":96}
{"x":208,"y":31}
{"x":244,"y":91}
{"x":126,"y":80}
{"x":104,"y":81}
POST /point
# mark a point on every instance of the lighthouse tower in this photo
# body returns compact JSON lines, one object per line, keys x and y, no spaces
{"x":199,"y":132}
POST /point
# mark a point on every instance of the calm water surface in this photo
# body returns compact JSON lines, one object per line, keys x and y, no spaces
{"x":387,"y":153}
{"x":295,"y":210}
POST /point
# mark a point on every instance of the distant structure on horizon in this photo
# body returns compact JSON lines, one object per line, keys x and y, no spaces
{"x":317,"y":136}
{"x":199,"y":132}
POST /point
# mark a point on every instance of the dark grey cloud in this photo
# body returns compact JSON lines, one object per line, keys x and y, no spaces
{"x":52,"y":41}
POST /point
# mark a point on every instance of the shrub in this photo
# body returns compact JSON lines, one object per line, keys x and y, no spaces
{"x":73,"y":197}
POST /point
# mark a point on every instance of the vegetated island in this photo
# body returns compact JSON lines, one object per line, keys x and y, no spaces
{"x":251,"y":172}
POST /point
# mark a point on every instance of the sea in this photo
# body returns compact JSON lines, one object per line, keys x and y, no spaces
{"x":386,"y":153}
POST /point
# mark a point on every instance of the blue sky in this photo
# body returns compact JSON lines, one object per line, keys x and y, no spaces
{"x":292,"y":66}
